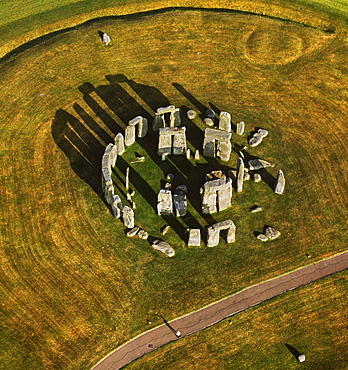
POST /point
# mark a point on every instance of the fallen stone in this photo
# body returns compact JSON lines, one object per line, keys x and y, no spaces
{"x":165,"y":229}
{"x":246,"y":176}
{"x":255,"y":208}
{"x":257,"y":164}
{"x":240,"y":128}
{"x":191,"y":114}
{"x":139,"y":159}
{"x":271,"y":233}
{"x":163,"y":247}
{"x":262,"y":237}
{"x":133,"y":231}
{"x":280,"y":183}
{"x":257,"y":137}
{"x":194,"y":238}
{"x":142,"y":234}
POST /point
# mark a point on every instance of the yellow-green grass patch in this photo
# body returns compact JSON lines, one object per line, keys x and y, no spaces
{"x":73,"y":286}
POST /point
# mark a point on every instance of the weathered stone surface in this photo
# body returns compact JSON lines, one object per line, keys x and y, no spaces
{"x":272,"y":233}
{"x":214,"y":175}
{"x":167,"y":186}
{"x":246,"y":176}
{"x":280,"y":183}
{"x":231,"y":234}
{"x":182,"y":188}
{"x":225,"y":225}
{"x":213,"y":237}
{"x":240,"y":175}
{"x":129,"y":135}
{"x":136,"y":120}
{"x":191,"y":114}
{"x":142,"y":234}
{"x":257,"y":177}
{"x":127,"y":179}
{"x":172,"y":139}
{"x":175,"y":119}
{"x":255,"y":208}
{"x":143,"y":127}
{"x":164,"y":110}
{"x":158,"y":122}
{"x":116,"y":206}
{"x":262,"y":237}
{"x":225,"y":121}
{"x":257,"y":137}
{"x":197,"y":156}
{"x":170,"y":176}
{"x":164,"y":203}
{"x":133,"y":231}
{"x":210,"y":114}
{"x":180,"y":203}
{"x":188,"y":153}
{"x":128,"y":217}
{"x":119,"y":143}
{"x":257,"y":164}
{"x":163,"y":247}
{"x":194,"y":239}
{"x":165,"y":229}
{"x":106,"y":39}
{"x":217,"y":144}
{"x":301,"y":358}
{"x":216,"y":195}
{"x":240,"y":128}
{"x":209,"y":121}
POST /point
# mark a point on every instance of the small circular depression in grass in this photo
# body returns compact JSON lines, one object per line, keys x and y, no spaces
{"x":271,"y":47}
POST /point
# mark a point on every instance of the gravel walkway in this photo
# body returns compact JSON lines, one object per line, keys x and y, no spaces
{"x":218,"y":311}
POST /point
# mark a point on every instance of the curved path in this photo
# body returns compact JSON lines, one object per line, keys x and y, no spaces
{"x":218,"y":311}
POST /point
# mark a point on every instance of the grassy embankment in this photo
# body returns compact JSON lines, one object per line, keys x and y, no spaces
{"x":311,"y":319}
{"x":73,"y":286}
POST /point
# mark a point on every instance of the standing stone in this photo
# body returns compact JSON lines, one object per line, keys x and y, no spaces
{"x":197,"y":156}
{"x":180,"y":203}
{"x":280,"y":183}
{"x":240,"y":175}
{"x":209,"y":121}
{"x":127,"y":179}
{"x":158,"y":122}
{"x":119,"y":143}
{"x":188,"y":154}
{"x":129,"y":135}
{"x":194,"y":239}
{"x":216,"y":195}
{"x":217,"y":144}
{"x":231,"y":233}
{"x":106,"y":39}
{"x":301,"y":358}
{"x":175,"y":120}
{"x":213,"y":237}
{"x":172,"y":140}
{"x":257,"y":177}
{"x":225,"y":121}
{"x":191,"y":114}
{"x":240,"y":128}
{"x":143,"y":127}
{"x":116,"y":206}
{"x":164,"y":203}
{"x":210,"y":114}
{"x":128,"y":217}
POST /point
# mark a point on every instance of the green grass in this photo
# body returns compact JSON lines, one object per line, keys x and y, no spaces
{"x":73,"y":286}
{"x":311,"y":319}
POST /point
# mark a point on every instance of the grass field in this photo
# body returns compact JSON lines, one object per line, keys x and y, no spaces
{"x":258,"y":337}
{"x":73,"y":287}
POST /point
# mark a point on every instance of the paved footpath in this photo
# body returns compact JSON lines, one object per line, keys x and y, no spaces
{"x":218,"y":311}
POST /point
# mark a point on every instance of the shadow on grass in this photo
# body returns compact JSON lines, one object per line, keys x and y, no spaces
{"x":293,"y":351}
{"x":83,"y":140}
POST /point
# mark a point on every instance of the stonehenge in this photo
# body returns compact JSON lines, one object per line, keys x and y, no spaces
{"x":214,"y":232}
{"x":172,"y":140}
{"x":216,"y":195}
{"x":217,"y":144}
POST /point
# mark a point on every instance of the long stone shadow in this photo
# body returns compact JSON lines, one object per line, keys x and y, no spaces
{"x":83,"y":141}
